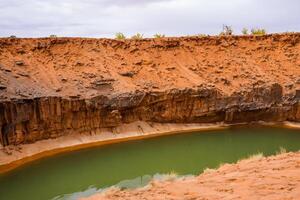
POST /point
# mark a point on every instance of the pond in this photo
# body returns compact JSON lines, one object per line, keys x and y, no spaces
{"x":131,"y":164}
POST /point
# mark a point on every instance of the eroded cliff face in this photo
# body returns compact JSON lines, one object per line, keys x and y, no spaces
{"x":24,"y":121}
{"x":179,"y":80}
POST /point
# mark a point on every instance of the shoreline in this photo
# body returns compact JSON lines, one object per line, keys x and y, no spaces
{"x":25,"y":153}
{"x":278,"y":177}
{"x":126,"y":132}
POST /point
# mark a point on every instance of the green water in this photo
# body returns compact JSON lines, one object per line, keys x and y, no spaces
{"x":75,"y":174}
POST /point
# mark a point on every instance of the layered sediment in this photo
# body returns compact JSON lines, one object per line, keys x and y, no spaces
{"x":51,"y":87}
{"x":29,"y":120}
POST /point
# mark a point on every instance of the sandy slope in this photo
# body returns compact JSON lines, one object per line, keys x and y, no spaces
{"x":90,"y":67}
{"x":272,"y":178}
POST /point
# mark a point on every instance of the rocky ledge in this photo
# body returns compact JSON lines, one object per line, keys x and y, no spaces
{"x":29,"y":120}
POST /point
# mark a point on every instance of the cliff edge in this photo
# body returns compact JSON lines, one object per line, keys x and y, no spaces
{"x":50,"y":87}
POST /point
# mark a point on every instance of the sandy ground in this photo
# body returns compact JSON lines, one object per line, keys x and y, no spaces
{"x":14,"y":156}
{"x":270,"y":178}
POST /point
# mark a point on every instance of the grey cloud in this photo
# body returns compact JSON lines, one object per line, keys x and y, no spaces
{"x":123,"y":3}
{"x":103,"y":18}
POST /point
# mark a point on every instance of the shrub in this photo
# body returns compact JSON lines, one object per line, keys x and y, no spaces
{"x":120,"y":36}
{"x":157,"y":35}
{"x":202,"y":35}
{"x":258,"y":31}
{"x":13,"y":36}
{"x":245,"y":31}
{"x":53,"y":36}
{"x":137,"y":36}
{"x":227,"y":30}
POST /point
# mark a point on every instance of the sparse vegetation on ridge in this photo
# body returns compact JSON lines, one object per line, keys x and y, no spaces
{"x":258,"y":31}
{"x":245,"y":31}
{"x":120,"y":36}
{"x":157,"y":35}
{"x":137,"y":36}
{"x":227,"y":30}
{"x":202,"y":35}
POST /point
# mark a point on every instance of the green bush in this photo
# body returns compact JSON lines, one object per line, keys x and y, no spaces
{"x":258,"y":31}
{"x":157,"y":35}
{"x":13,"y":36}
{"x":53,"y":36}
{"x":245,"y":31}
{"x":120,"y":36}
{"x":137,"y":36}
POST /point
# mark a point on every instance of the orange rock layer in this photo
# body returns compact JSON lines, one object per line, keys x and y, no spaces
{"x":54,"y":86}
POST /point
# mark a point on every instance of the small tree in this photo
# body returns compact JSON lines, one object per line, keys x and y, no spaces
{"x":53,"y":36}
{"x":13,"y":36}
{"x":137,"y":36}
{"x":258,"y":31}
{"x":245,"y":31}
{"x":227,"y":30}
{"x":157,"y":35}
{"x":120,"y":36}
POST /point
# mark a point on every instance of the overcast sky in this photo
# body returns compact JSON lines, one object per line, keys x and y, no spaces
{"x":103,"y":18}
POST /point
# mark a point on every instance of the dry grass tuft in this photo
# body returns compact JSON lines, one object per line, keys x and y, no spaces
{"x":281,"y":151}
{"x":170,"y":176}
{"x":137,"y":36}
{"x":157,"y":35}
{"x":208,"y":170}
{"x":256,"y":156}
{"x":258,"y":31}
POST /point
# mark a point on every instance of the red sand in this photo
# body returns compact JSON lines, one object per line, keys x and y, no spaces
{"x":270,"y":178}
{"x":90,"y":67}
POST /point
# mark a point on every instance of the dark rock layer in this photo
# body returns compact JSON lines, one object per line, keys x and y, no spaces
{"x":29,"y":120}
